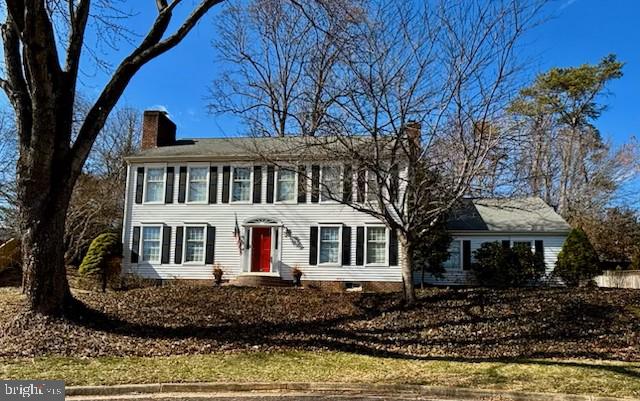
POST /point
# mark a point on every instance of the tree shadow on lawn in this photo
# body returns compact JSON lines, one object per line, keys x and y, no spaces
{"x":323,"y":335}
{"x":383,"y":327}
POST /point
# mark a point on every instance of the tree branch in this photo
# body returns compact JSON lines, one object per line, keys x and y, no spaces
{"x":151,"y":47}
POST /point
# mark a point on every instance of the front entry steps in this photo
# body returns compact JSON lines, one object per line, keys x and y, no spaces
{"x":257,"y":280}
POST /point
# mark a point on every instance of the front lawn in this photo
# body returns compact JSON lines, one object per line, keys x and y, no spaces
{"x":471,"y":324}
{"x":564,"y":376}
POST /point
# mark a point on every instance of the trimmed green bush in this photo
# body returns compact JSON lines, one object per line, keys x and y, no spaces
{"x":500,"y":266}
{"x":101,"y":249}
{"x":578,"y":260}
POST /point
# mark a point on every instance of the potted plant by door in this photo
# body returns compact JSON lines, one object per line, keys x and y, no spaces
{"x":297,"y":275}
{"x":217,"y":274}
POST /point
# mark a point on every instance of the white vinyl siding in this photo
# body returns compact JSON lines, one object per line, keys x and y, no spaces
{"x":197,"y":191}
{"x":194,"y":240}
{"x":241,"y":184}
{"x":154,"y":185}
{"x":376,"y":246}
{"x":151,"y":243}
{"x":293,"y":236}
{"x":285,"y":185}
{"x":329,"y":245}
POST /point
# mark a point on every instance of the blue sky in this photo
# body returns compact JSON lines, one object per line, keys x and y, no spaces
{"x":579,"y":31}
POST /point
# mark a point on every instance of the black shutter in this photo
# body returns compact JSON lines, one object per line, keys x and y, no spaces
{"x":226,"y":170}
{"x":213,"y":184}
{"x":539,"y":244}
{"x":394,"y":186}
{"x":506,"y":244}
{"x":315,"y":184}
{"x":393,"y":248}
{"x":466,"y":254}
{"x":211,"y":240}
{"x":270,"y":178}
{"x":179,"y":237}
{"x":139,"y":184}
{"x":302,"y":184}
{"x":362,"y":185}
{"x":257,"y":184}
{"x":347,"y":183}
{"x":135,"y":245}
{"x":313,"y":246}
{"x":359,"y":246}
{"x":346,"y":246}
{"x":182,"y":184}
{"x":166,"y":242}
{"x":168,"y":190}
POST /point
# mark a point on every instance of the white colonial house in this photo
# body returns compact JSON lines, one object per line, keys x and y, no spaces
{"x":194,"y":204}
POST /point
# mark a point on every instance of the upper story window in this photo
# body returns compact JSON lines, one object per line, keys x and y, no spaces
{"x":522,"y":244}
{"x":151,"y":236}
{"x":286,"y":185}
{"x":154,"y":186}
{"x":372,"y":187}
{"x":198,"y":184}
{"x":376,"y":245}
{"x":241,"y":191}
{"x":194,"y":245}
{"x":329,"y":247}
{"x":453,"y":262}
{"x":330,"y":183}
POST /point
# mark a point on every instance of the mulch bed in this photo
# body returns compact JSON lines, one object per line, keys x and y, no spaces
{"x":470,"y":324}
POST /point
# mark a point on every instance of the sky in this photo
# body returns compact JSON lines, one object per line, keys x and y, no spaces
{"x":577,"y":32}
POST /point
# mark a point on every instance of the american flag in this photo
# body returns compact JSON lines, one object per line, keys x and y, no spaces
{"x":238,"y":236}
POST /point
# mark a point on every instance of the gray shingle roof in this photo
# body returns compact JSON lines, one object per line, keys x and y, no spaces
{"x":248,"y":148}
{"x":507,"y":215}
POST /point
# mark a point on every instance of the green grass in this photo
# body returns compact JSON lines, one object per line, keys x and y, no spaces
{"x":563,"y":376}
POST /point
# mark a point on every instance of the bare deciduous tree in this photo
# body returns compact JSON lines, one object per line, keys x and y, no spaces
{"x":43,"y":42}
{"x":425,"y":86}
{"x":280,"y":72}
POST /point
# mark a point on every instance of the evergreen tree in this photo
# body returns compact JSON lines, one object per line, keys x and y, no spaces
{"x":578,"y":259}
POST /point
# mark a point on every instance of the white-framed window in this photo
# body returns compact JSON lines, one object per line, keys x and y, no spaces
{"x":329,"y":245}
{"x":154,"y":185}
{"x":198,"y":184}
{"x":241,"y":184}
{"x":285,"y":185}
{"x":372,"y":187}
{"x":376,"y":245}
{"x":151,"y":243}
{"x":526,"y":244}
{"x":454,"y":262}
{"x":330,"y":182}
{"x":194,"y":243}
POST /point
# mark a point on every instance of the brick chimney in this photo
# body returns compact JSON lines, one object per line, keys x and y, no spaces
{"x":157,"y":130}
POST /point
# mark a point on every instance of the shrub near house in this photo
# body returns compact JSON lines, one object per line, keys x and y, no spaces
{"x":498,"y":265}
{"x":578,"y":260}
{"x":102,"y":249}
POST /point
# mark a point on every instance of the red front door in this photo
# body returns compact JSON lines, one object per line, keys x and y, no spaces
{"x":261,"y":249}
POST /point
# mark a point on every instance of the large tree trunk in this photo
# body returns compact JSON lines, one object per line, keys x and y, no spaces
{"x":44,"y":272}
{"x":45,"y":184}
{"x":407,"y":269}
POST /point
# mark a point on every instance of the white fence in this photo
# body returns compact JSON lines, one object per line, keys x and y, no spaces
{"x":619,"y":279}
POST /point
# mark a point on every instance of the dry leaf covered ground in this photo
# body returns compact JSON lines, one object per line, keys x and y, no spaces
{"x":456,"y":324}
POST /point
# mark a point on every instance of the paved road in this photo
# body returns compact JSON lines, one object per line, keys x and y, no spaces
{"x":266,"y":397}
